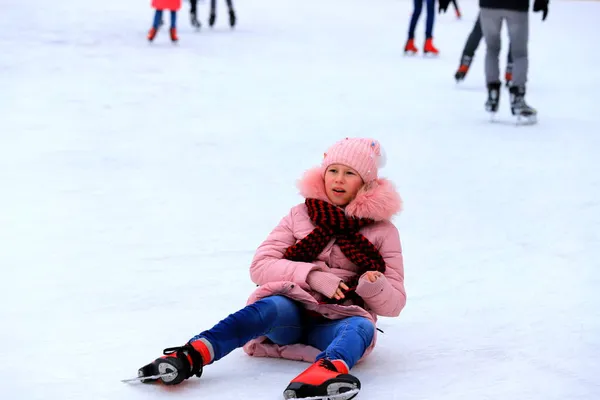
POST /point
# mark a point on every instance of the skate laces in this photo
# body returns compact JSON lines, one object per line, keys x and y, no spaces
{"x":327,"y":364}
{"x":182,"y":352}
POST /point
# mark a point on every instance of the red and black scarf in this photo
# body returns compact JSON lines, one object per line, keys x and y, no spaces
{"x":332,"y":222}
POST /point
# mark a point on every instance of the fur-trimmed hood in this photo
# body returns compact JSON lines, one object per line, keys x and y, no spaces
{"x":377,"y":200}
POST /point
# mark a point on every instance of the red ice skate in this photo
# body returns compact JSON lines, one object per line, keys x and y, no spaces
{"x":152,"y":34}
{"x":410,"y":47}
{"x":430,"y":48}
{"x":508,"y":78}
{"x":324,"y":378}
{"x":173,"y":34}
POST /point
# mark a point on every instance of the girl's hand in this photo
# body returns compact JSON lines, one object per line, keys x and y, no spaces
{"x":339,"y":294}
{"x":372,"y":276}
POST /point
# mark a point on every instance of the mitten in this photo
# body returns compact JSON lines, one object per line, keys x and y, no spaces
{"x":541,"y":5}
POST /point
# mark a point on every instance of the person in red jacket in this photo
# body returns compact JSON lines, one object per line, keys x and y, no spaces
{"x":160,"y":5}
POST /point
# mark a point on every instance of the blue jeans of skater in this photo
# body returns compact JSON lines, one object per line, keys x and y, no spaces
{"x":285,"y":322}
{"x":158,"y":19}
{"x":418,"y":7}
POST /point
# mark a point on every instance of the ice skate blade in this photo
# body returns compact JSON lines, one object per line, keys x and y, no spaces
{"x":290,"y":394}
{"x":152,"y":377}
{"x":526,"y":120}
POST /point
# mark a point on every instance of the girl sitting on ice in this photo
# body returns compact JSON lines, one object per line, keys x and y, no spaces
{"x":332,"y":265}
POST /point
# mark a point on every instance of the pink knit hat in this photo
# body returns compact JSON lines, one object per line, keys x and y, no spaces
{"x":363,"y":155}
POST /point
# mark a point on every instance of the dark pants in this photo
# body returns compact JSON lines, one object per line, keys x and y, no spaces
{"x":418,"y":7}
{"x":213,"y":5}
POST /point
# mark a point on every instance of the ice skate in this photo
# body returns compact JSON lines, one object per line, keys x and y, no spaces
{"x":493,"y":100}
{"x":177,"y":364}
{"x":324,"y":379}
{"x":463,"y":69}
{"x":526,"y":115}
{"x":508,"y":76}
{"x":429,"y":48}
{"x":152,"y":34}
{"x":173,"y":35}
{"x":194,"y":20}
{"x":232,"y":18}
{"x":410,"y":48}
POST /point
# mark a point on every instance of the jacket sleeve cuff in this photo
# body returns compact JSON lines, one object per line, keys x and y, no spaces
{"x":366,"y":289}
{"x":325,"y":283}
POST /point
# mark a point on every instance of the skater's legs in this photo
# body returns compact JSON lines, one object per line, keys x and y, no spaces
{"x":491,"y":27}
{"x":193,"y":6}
{"x":344,"y":339}
{"x":417,"y":8}
{"x":518,"y":31}
{"x":229,"y":4}
{"x":157,"y":19}
{"x":277,"y":317}
{"x":473,"y":40}
{"x":430,"y":19}
{"x":173,"y":19}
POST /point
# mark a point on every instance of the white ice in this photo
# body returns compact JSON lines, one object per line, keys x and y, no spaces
{"x":136,"y":181}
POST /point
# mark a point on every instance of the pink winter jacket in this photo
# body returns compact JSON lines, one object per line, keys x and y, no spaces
{"x":377,"y":200}
{"x":172,"y":5}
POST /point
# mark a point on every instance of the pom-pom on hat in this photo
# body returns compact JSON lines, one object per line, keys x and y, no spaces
{"x":361,"y":154}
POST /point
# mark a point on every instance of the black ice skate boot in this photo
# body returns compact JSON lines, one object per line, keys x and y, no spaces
{"x":518,"y":106}
{"x":465,"y":63}
{"x":324,"y":379}
{"x":232,"y":18}
{"x":177,"y":364}
{"x":493,"y":100}
{"x":194,"y":20}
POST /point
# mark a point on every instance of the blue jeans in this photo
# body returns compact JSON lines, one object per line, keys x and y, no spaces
{"x":285,"y":322}
{"x":418,"y":7}
{"x":158,"y":18}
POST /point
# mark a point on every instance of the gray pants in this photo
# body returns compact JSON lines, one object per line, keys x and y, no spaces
{"x":518,"y":32}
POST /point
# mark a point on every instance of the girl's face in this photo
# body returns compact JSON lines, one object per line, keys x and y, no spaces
{"x":342,"y":184}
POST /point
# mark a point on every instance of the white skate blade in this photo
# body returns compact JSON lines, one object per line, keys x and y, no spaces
{"x":141,"y":378}
{"x":339,"y":396}
{"x":529,"y":120}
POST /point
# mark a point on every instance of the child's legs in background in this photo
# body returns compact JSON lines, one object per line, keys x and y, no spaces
{"x":157,"y":19}
{"x":344,"y":339}
{"x":418,"y":7}
{"x":173,"y":19}
{"x":473,"y":40}
{"x":430,"y":19}
{"x":277,"y":317}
